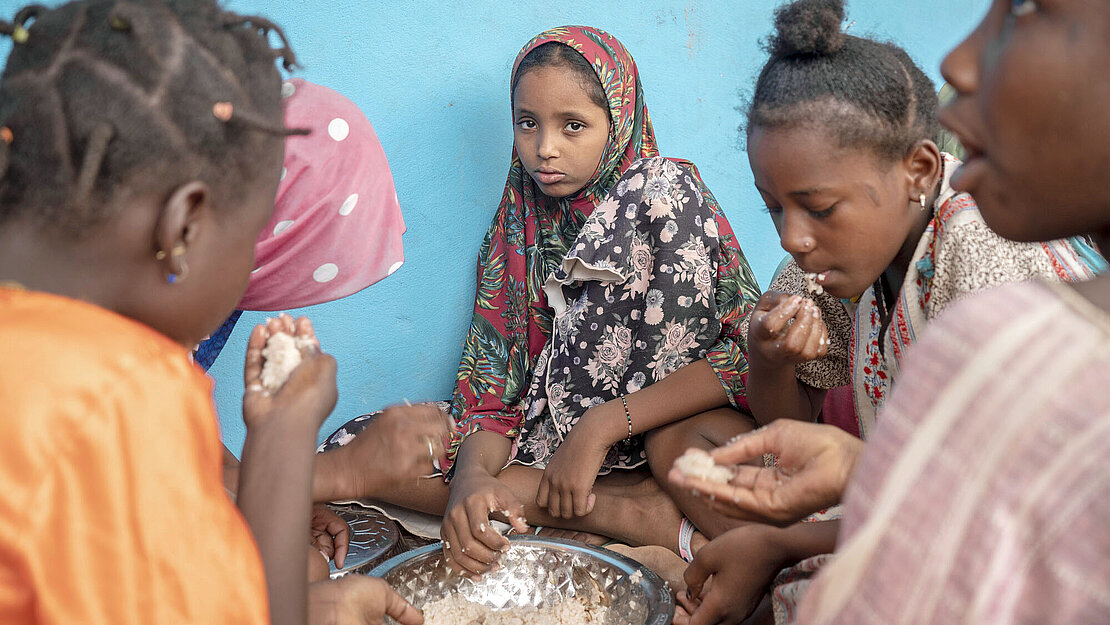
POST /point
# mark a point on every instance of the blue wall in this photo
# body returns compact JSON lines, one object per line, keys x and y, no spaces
{"x":433,"y":79}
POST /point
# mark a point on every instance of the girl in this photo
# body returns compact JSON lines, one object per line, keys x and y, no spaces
{"x":840,"y":143}
{"x":981,"y":498}
{"x":648,"y":288}
{"x":140,"y":147}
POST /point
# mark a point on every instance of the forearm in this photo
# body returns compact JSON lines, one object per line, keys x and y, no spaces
{"x":275,"y":480}
{"x":691,"y":390}
{"x":485,"y":452}
{"x":774,"y":392}
{"x":797,"y":542}
{"x":339,"y":475}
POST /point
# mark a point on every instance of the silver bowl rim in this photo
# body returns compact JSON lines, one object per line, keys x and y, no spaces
{"x":656,"y":589}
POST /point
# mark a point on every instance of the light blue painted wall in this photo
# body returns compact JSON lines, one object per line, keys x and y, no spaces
{"x":433,"y":79}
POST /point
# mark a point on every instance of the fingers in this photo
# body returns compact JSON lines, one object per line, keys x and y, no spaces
{"x":696,"y":574}
{"x":776,"y":319}
{"x":816,"y":342}
{"x":341,"y":537}
{"x":749,"y":445}
{"x":395,"y":605}
{"x":477,"y":510}
{"x":793,"y":340}
{"x":459,"y":550}
{"x":543,"y":495}
{"x":714,"y":610}
{"x":252,"y":368}
{"x":303,"y":330}
{"x":770,"y":299}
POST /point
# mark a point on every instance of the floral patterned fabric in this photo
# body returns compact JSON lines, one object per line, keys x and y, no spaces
{"x":532,"y":233}
{"x":634,"y":300}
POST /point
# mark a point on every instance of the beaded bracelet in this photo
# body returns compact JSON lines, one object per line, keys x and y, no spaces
{"x":628,"y":415}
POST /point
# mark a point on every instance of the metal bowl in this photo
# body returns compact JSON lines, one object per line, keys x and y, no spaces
{"x":374,"y":537}
{"x":537,"y":571}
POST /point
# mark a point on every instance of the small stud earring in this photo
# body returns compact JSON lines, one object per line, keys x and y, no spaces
{"x":923,"y":200}
{"x":178,"y":251}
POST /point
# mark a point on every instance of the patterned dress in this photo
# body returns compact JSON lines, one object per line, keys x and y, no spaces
{"x":532,"y":234}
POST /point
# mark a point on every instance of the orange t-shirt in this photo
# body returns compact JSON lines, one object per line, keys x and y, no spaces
{"x":112,"y":509}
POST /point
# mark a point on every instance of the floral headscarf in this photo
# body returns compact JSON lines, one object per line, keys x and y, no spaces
{"x":631,"y":136}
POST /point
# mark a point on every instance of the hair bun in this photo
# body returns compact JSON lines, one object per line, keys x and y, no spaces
{"x":808,"y":28}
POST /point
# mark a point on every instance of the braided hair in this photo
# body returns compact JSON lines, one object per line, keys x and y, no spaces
{"x":866,"y":93}
{"x":103,"y":97}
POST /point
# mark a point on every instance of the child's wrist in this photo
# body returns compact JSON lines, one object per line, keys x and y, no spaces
{"x":605,"y":423}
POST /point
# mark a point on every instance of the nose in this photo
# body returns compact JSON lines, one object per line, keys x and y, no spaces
{"x":794,"y":236}
{"x":548,"y":145}
{"x":960,"y":67}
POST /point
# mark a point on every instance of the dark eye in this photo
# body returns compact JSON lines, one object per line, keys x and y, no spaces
{"x":574,"y":126}
{"x":526,"y":124}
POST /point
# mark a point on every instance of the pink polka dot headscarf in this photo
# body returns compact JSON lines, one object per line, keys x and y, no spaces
{"x":337,"y":226}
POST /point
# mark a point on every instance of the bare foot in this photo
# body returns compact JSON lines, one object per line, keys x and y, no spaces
{"x":662,"y":561}
{"x":583,"y":537}
{"x":643,"y":515}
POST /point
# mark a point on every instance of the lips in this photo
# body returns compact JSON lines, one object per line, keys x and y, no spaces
{"x":547,"y":175}
{"x":819,"y":276}
{"x":974,"y":163}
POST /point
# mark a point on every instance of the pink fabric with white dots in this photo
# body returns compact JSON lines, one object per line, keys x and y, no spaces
{"x":337,"y":225}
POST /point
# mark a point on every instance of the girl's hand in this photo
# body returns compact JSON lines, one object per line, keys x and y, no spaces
{"x":814,"y":464}
{"x":308,"y":394}
{"x":470,"y":544}
{"x":331,"y":535}
{"x":565,"y":489}
{"x":729,"y":577}
{"x":787,"y":330}
{"x":358,"y":600}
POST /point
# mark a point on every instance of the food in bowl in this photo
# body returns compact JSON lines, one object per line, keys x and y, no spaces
{"x":457,"y":610}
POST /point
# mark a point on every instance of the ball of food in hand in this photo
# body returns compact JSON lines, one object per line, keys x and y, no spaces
{"x":698,"y":464}
{"x":280,"y":357}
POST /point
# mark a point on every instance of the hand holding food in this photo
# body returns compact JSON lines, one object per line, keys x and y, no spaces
{"x":813,"y":465}
{"x":787,"y":330}
{"x":298,"y":382}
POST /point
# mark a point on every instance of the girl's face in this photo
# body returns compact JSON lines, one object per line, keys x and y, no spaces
{"x":559,"y":133}
{"x":843,"y":214}
{"x":1032,"y":88}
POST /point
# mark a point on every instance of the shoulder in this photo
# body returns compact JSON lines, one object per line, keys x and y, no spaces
{"x":966,"y":256}
{"x":67,"y":366}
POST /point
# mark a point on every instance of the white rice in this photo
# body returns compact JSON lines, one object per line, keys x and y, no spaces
{"x":281,"y":355}
{"x":698,"y":464}
{"x":457,"y":610}
{"x":812,"y":285}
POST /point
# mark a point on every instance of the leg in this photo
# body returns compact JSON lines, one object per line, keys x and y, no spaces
{"x":706,"y":430}
{"x":624,"y":501}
